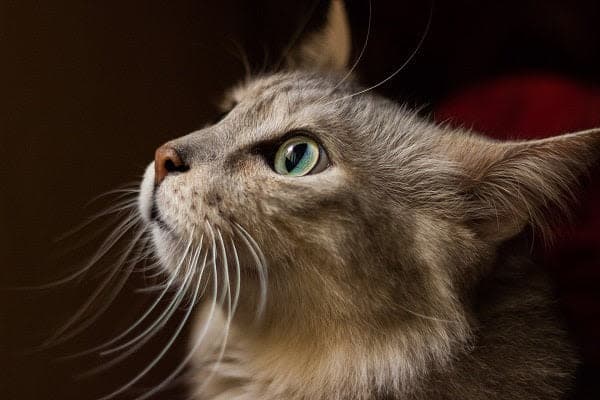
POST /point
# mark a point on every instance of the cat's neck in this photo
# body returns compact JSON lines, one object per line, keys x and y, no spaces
{"x":520,"y":349}
{"x":345,"y":363}
{"x":312,"y":353}
{"x":315,"y":359}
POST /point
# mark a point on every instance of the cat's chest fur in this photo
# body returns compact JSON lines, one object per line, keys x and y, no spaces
{"x":250,"y":369}
{"x":518,"y":351}
{"x":233,"y":372}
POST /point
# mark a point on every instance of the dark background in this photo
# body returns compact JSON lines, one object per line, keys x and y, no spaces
{"x":90,"y":89}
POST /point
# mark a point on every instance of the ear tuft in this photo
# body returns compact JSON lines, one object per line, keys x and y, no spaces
{"x":513,"y":184}
{"x":327,"y":49}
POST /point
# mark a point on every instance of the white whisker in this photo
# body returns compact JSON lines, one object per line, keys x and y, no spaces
{"x":148,"y":311}
{"x":243,"y":58}
{"x":261,"y":265}
{"x":151,"y":330}
{"x":157,"y":270}
{"x":230,"y":311}
{"x":169,"y":344}
{"x":131,"y":187}
{"x":299,"y":30}
{"x":237,"y":278}
{"x":362,"y":52}
{"x":106,"y":245}
{"x":83,"y":309}
{"x":139,"y":340}
{"x":397,"y":71}
{"x":168,"y":380}
{"x":113,"y":209}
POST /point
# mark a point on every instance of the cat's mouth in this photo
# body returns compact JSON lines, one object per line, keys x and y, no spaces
{"x":148,"y":204}
{"x":157,"y":219}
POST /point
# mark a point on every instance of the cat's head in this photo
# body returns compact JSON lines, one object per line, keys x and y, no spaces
{"x":330,"y":205}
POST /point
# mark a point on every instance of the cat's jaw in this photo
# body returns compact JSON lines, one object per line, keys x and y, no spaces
{"x":167,"y":243}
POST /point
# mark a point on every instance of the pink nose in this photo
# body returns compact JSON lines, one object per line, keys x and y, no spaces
{"x":166,"y":161}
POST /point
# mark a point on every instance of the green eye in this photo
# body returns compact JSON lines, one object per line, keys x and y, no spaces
{"x":298,"y":156}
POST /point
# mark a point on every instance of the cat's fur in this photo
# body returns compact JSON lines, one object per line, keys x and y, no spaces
{"x":399,"y":272}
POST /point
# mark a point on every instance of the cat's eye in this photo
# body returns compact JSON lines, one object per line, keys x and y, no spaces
{"x":300,"y":156}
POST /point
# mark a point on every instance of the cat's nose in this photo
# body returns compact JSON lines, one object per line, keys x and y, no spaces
{"x":167,"y":160}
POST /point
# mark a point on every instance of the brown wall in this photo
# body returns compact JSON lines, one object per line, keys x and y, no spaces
{"x":93,"y":88}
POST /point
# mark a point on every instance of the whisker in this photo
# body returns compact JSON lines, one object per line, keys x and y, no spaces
{"x":237,"y":277}
{"x":143,"y":251}
{"x":154,"y":288}
{"x":214,"y":260}
{"x":297,"y":33}
{"x":199,"y":339}
{"x":397,"y":71}
{"x":113,"y":209}
{"x":230,"y":311}
{"x":157,"y":270}
{"x":149,"y":332}
{"x":139,"y":340}
{"x":83,"y":309}
{"x":131,"y":187}
{"x":261,"y":265}
{"x":144,"y":315}
{"x":360,"y":55}
{"x":243,"y":58}
{"x":162,"y":353}
{"x":106,"y":245}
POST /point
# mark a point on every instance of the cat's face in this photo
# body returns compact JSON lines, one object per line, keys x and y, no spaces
{"x":353,"y":217}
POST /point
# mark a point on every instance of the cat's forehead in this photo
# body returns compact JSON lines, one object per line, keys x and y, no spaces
{"x":297,"y":86}
{"x":330,"y":105}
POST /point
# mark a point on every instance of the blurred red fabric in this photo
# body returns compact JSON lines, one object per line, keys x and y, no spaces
{"x":537,"y":106}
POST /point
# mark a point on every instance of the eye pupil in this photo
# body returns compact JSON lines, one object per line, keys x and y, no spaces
{"x":294,"y":154}
{"x":298,"y":156}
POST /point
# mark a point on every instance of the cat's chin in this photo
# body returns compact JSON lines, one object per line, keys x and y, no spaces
{"x":166,"y":246}
{"x":174,"y":256}
{"x":146,"y":193}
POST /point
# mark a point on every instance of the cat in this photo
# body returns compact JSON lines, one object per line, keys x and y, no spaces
{"x":339,"y":246}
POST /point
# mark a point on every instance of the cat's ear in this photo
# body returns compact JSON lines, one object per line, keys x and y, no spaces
{"x":513,"y":184}
{"x":329,"y":47}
